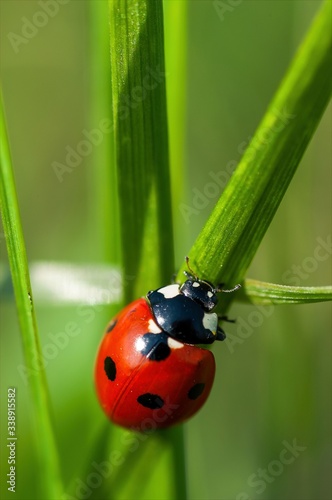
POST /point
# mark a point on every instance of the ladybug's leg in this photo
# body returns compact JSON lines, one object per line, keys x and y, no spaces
{"x":221,"y":335}
{"x":226,"y":318}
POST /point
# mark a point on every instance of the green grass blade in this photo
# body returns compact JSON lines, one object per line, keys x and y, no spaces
{"x":176,"y":40}
{"x":232,"y":234}
{"x":258,"y":292}
{"x":176,"y":51}
{"x":141,"y":142}
{"x":150,"y":466}
{"x":49,"y":471}
{"x":103,"y":196}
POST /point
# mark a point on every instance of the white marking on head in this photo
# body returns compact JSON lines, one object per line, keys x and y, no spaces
{"x":169,"y":291}
{"x":210,"y":322}
{"x":153,"y":327}
{"x":210,"y":294}
{"x":174,"y":344}
{"x":196,"y":284}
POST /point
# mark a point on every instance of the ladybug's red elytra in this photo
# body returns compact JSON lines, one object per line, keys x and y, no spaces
{"x":149,"y":371}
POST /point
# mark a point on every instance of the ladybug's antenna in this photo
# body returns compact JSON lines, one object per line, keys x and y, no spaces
{"x":220,"y":289}
{"x":191,"y":271}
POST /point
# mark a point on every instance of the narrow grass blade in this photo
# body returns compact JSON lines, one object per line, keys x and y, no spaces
{"x":49,"y":471}
{"x":232,"y":234}
{"x":258,"y":292}
{"x":141,"y":142}
{"x":103,"y":195}
{"x":176,"y":35}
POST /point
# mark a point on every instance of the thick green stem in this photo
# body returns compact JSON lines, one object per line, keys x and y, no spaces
{"x":233,"y":232}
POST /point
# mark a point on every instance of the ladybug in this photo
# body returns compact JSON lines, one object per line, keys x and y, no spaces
{"x":149,"y":372}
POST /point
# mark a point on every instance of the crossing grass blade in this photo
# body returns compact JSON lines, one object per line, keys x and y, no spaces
{"x":258,"y":292}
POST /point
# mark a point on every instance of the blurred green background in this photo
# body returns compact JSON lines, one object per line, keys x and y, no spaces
{"x":273,"y":381}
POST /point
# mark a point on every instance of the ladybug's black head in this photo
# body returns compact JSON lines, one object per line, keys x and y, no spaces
{"x":201,"y":292}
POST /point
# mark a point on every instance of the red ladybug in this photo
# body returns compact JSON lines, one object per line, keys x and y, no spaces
{"x":149,"y":373}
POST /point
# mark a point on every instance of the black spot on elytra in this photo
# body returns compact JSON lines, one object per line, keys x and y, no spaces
{"x":111,"y":325}
{"x":151,"y":401}
{"x":196,"y":391}
{"x":110,"y":368}
{"x":155,"y":346}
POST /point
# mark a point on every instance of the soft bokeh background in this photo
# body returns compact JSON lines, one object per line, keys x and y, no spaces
{"x":273,"y":380}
